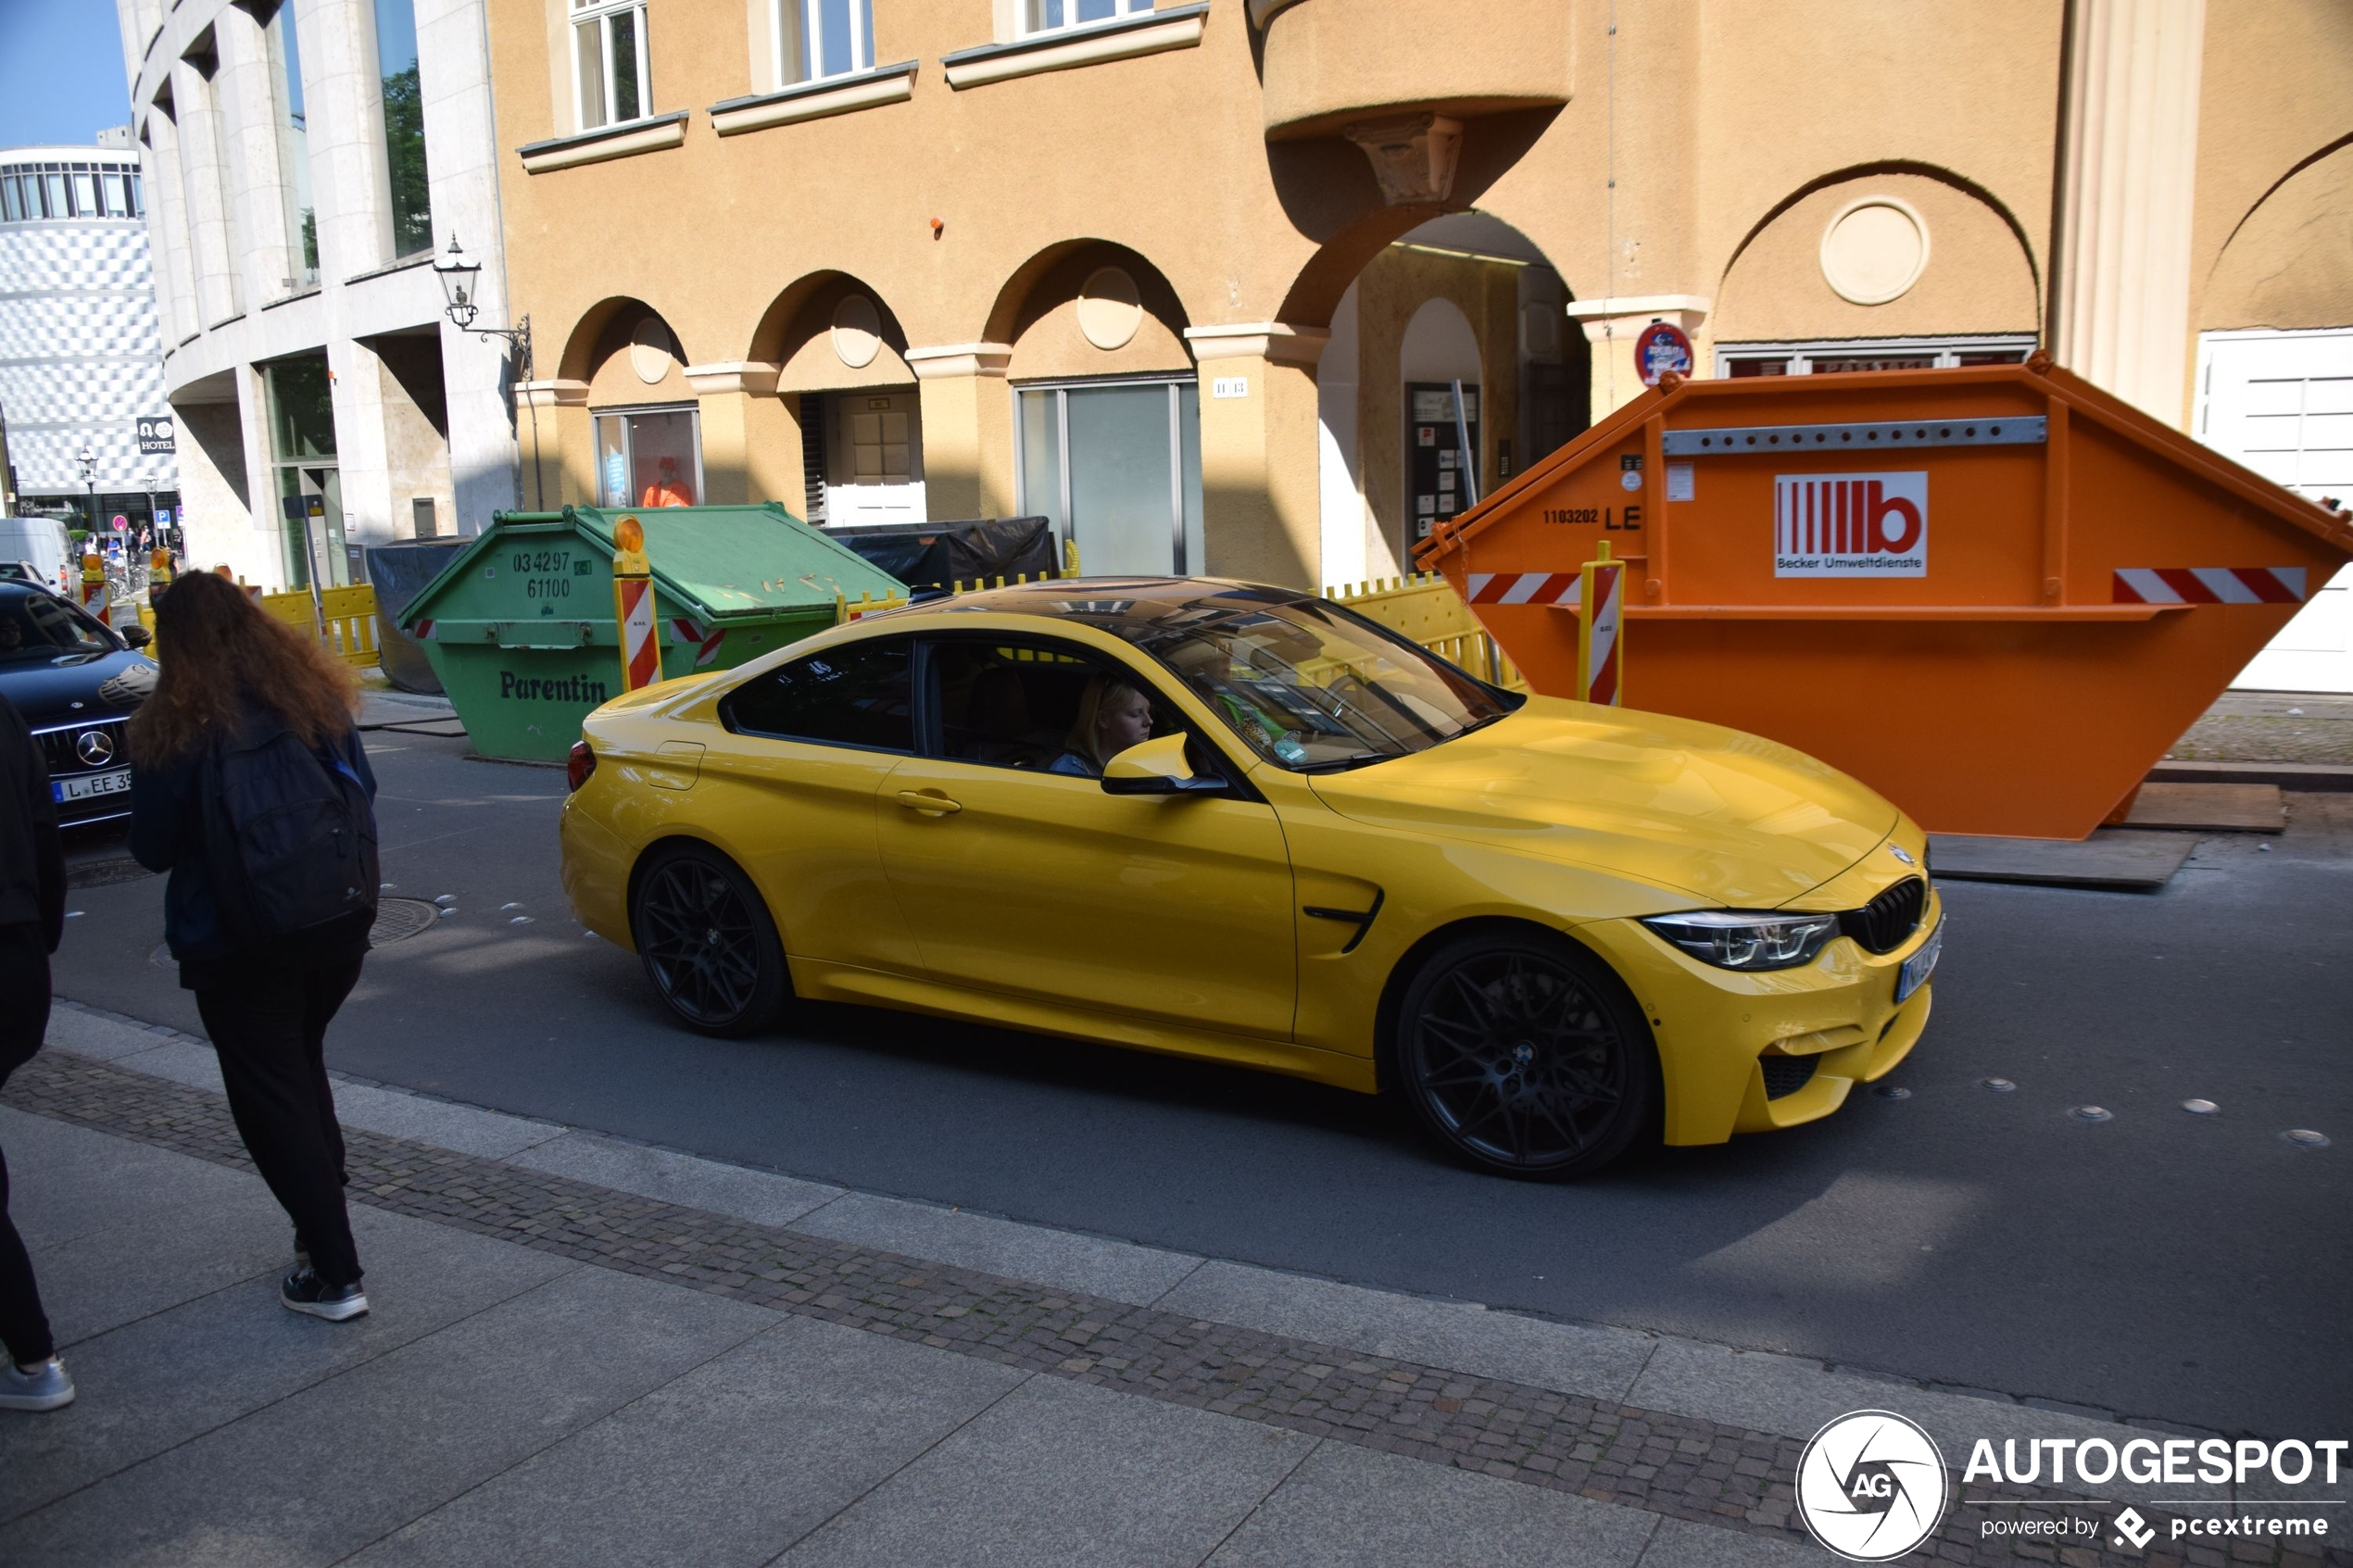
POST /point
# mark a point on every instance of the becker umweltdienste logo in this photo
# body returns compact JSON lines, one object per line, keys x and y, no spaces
{"x":1870,"y":1486}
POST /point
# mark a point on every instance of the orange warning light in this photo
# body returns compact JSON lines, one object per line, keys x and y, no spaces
{"x":628,"y":535}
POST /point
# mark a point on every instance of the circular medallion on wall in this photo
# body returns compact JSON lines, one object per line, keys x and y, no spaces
{"x":650,"y":350}
{"x":1874,"y":249}
{"x":1109,"y":309}
{"x":856,"y":332}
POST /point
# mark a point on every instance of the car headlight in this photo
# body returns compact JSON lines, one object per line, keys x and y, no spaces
{"x":1743,"y":940}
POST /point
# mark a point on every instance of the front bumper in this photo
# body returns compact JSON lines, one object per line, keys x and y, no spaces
{"x":1728,"y":1041}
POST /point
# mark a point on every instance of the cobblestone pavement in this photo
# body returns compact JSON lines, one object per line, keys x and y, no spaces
{"x":1665,"y":1465}
{"x":2271,"y":727}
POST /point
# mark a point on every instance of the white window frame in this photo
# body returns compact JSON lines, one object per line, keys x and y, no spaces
{"x":783,"y":15}
{"x":599,"y":14}
{"x":627,"y":414}
{"x":1178,"y":386}
{"x":1123,"y":10}
{"x":1801,"y":353}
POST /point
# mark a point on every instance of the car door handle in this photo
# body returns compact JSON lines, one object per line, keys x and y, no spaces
{"x":928,"y":804}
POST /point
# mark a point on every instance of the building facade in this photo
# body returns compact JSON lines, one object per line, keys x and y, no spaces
{"x":1265,"y":287}
{"x":89,"y":430}
{"x":304,"y":160}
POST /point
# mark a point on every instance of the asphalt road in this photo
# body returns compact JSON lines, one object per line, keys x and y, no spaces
{"x":2162,"y":1265}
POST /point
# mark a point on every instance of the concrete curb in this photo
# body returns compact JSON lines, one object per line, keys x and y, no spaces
{"x":1763,"y":1391}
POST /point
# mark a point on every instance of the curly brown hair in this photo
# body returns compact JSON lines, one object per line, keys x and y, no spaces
{"x":224,"y":655}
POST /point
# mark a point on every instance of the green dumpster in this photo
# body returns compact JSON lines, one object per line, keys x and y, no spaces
{"x":519,"y":625}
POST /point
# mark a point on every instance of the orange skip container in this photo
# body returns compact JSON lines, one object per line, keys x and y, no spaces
{"x":1996,"y":595}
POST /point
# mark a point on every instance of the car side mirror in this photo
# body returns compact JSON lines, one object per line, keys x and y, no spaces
{"x":1157,"y":767}
{"x":137,"y":636}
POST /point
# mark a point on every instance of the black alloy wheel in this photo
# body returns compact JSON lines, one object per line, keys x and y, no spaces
{"x":708,"y":945}
{"x":1525,"y":1056}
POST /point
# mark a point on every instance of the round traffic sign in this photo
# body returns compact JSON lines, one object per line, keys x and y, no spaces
{"x":122,"y":521}
{"x":1662,"y":347}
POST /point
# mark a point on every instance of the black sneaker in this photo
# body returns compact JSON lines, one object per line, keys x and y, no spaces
{"x":304,"y":1291}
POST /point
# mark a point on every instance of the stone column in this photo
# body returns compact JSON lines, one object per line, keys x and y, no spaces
{"x":246,"y":98}
{"x":168,"y":232}
{"x":558,"y":449}
{"x":265,"y":545}
{"x":2121,"y":291}
{"x":1613,"y":325}
{"x":217,"y":490}
{"x":204,"y":187}
{"x":736,"y":399}
{"x":1261,"y":502}
{"x":348,"y":183}
{"x":968,"y":429}
{"x":363,"y":461}
{"x":485,"y":426}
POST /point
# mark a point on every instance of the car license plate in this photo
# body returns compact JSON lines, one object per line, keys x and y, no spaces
{"x":115,"y":783}
{"x":1919,"y":966}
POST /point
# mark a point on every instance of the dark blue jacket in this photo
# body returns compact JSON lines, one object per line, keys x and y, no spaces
{"x":166,"y":833}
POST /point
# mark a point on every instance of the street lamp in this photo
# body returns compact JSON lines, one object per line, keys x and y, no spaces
{"x":90,"y":477}
{"x":460,"y":277}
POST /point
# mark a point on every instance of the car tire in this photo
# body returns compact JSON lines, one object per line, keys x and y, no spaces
{"x":1525,"y":1056}
{"x":708,"y":944}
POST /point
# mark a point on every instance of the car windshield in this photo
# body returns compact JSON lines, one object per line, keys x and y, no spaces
{"x":1306,"y":685}
{"x":37,"y":626}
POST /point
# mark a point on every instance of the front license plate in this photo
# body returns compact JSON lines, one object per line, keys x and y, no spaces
{"x":115,"y":783}
{"x":1919,"y":966}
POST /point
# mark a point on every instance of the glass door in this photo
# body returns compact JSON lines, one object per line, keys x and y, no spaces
{"x":302,"y":435}
{"x":1116,"y":467}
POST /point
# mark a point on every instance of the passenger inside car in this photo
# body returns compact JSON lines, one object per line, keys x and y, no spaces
{"x":1037,"y":708}
{"x":1113,"y":716}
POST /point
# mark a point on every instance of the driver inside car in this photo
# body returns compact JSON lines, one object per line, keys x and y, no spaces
{"x":1113,"y":716}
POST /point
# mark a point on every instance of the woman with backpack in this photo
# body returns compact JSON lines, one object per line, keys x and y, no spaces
{"x":249,"y":785}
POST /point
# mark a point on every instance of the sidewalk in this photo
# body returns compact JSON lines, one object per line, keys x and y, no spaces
{"x":588,"y":1351}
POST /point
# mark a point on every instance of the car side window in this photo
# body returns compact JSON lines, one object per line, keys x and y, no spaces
{"x":856,"y":695}
{"x":1041,"y":706}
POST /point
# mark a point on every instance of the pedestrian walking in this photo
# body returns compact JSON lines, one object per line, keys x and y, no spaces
{"x":249,"y":784}
{"x":33,"y":916}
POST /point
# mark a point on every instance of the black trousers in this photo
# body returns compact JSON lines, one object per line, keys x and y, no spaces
{"x":271,"y":1033}
{"x":24,"y":1019}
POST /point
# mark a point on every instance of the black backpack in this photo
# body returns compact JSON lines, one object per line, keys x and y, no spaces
{"x":289,"y":835}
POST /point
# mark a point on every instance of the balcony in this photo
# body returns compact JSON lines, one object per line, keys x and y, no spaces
{"x":1328,"y":63}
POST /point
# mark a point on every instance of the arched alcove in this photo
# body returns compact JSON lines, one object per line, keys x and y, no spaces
{"x":1464,"y":296}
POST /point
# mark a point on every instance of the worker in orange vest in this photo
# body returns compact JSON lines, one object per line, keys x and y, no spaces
{"x":668,"y":489}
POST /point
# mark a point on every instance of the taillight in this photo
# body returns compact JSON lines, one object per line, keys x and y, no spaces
{"x":579,"y":765}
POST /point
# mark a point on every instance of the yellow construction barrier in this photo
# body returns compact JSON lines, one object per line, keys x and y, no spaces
{"x":846,"y":613}
{"x":350,"y":630}
{"x":1425,"y":608}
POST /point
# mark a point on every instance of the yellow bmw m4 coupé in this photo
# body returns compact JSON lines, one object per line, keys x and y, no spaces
{"x":1243,"y":822}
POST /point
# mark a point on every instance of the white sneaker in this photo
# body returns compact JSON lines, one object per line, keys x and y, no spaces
{"x":46,"y":1387}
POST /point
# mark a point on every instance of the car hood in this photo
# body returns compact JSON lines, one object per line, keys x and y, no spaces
{"x":1731,"y":819}
{"x":106,"y":685}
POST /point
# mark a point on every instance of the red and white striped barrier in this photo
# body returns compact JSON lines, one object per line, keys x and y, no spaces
{"x":2209,"y":586}
{"x":1601,"y":604}
{"x":640,"y":650}
{"x":633,"y":606}
{"x":707,"y":643}
{"x":1523,"y":587}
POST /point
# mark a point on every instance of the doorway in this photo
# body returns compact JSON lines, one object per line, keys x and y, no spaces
{"x":874,"y":457}
{"x":2282,"y":403}
{"x":1116,"y":467}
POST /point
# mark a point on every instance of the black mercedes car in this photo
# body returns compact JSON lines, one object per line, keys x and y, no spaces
{"x":76,"y":683}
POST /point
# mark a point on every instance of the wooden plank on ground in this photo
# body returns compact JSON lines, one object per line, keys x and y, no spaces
{"x":2115,"y":859}
{"x":2209,"y":807}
